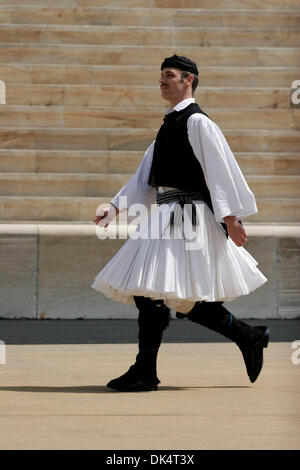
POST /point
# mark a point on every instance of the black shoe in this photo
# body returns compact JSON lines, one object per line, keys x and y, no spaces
{"x":250,"y":340}
{"x":253,"y":353}
{"x":134,"y":380}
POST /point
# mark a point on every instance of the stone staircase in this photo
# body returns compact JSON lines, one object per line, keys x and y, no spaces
{"x":83,"y":103}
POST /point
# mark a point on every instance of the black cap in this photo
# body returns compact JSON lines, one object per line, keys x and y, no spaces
{"x":181,"y":63}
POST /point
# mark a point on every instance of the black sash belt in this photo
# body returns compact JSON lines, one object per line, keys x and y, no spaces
{"x":182,"y":198}
{"x":185,"y":197}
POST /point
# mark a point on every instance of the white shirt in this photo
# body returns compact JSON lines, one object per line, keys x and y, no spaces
{"x":229,"y":191}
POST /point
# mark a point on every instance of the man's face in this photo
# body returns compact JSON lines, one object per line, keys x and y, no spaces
{"x":171,"y":84}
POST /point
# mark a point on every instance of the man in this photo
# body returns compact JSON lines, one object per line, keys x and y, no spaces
{"x":189,"y":163}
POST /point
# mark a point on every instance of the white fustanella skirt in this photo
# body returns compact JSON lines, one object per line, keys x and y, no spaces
{"x":181,"y":265}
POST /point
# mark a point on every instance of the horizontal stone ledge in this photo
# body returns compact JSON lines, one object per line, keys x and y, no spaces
{"x":79,"y":229}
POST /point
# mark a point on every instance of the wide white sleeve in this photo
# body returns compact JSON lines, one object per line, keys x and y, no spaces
{"x":137,"y":189}
{"x":229,"y":191}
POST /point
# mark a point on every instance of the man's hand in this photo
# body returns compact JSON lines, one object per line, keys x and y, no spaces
{"x":235,"y":230}
{"x":110,"y":212}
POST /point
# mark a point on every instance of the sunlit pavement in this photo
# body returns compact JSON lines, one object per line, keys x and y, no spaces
{"x":55,"y":397}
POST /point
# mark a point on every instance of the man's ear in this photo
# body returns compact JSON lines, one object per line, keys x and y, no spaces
{"x":190,"y":79}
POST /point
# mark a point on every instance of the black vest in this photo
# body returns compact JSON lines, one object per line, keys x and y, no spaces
{"x":174,"y":163}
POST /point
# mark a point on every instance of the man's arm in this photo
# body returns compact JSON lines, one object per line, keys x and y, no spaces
{"x":136,"y":190}
{"x":229,"y":191}
{"x":231,"y":196}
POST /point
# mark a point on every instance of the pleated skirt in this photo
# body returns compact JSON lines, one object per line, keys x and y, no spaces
{"x":181,"y":265}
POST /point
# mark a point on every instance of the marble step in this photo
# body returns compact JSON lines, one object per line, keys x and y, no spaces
{"x":57,"y":184}
{"x":139,"y":96}
{"x":148,"y":35}
{"x":137,"y":139}
{"x":210,"y":4}
{"x":252,"y":77}
{"x":149,"y":55}
{"x":255,"y":18}
{"x":219,"y":4}
{"x":102,"y":117}
{"x":95,"y":161}
{"x":47,"y":208}
{"x":20,"y":3}
{"x":108,"y":184}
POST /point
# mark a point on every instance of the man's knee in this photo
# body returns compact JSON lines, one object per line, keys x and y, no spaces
{"x":143,"y":303}
{"x":206,"y":313}
{"x":152,"y":313}
{"x":205,"y":306}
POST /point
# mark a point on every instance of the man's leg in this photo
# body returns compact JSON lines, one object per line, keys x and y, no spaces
{"x":153,"y":319}
{"x":250,"y":339}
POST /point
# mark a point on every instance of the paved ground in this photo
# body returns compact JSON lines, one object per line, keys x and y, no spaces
{"x":54,"y":396}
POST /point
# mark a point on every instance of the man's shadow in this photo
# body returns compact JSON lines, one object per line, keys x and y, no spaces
{"x":104,"y":389}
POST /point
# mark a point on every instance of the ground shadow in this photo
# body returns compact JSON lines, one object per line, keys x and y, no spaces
{"x":102,"y":388}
